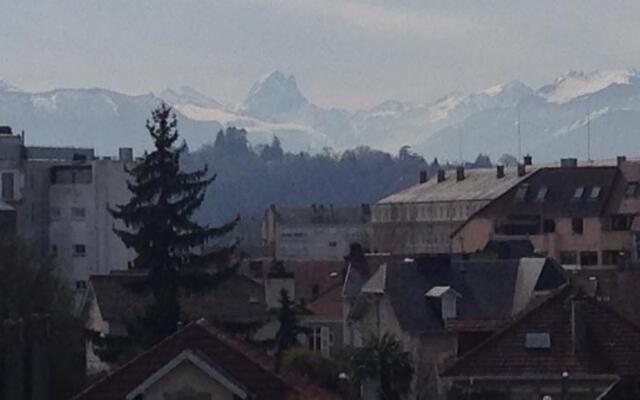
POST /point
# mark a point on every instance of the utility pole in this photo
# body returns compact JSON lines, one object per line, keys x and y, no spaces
{"x":588,"y":132}
{"x":519,"y":136}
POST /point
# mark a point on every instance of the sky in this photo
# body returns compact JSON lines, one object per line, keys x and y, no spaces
{"x":343,"y":53}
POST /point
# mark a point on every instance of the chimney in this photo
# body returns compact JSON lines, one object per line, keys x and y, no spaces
{"x":499,"y":171}
{"x":423,"y":176}
{"x":578,"y":323}
{"x":528,"y":160}
{"x":125,"y":154}
{"x":459,"y":174}
{"x":621,"y":160}
{"x":522,"y":170}
{"x":569,"y":163}
{"x":441,"y":175}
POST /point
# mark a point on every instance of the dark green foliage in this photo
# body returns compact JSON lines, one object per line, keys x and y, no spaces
{"x":159,"y":222}
{"x":34,"y":298}
{"x":323,"y":370}
{"x":289,"y":325}
{"x":382,"y":359}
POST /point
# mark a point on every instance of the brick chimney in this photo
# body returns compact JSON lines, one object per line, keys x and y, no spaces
{"x":528,"y":160}
{"x":423,"y":176}
{"x":441,"y":175}
{"x":459,"y":173}
{"x":499,"y":171}
{"x":621,"y":160}
{"x":522,"y":170}
{"x":569,"y":163}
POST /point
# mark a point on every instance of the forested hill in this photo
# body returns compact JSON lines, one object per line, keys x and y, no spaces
{"x":250,"y":179}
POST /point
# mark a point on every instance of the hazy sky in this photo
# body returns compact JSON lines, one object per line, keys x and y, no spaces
{"x":352,"y":53}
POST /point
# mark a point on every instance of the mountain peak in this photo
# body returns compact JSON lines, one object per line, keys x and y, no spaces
{"x":576,"y":83}
{"x":274,"y":97}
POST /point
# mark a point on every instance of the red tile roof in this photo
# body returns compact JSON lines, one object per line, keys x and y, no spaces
{"x":245,"y":365}
{"x":611,"y":343}
{"x":328,"y":303}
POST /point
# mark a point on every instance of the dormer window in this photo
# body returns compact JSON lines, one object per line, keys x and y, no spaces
{"x":579,"y":192}
{"x":447,"y":299}
{"x":631,"y":189}
{"x":542,"y":193}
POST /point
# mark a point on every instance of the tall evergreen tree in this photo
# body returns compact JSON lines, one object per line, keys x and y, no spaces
{"x":158,"y":221}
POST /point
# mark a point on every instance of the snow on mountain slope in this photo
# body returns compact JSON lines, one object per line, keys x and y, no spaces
{"x":577,"y":83}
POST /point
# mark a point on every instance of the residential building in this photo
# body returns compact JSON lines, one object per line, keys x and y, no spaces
{"x":421,"y":219}
{"x":59,"y":198}
{"x":577,"y":215}
{"x":202,"y":362}
{"x":116,"y":301}
{"x":318,"y":232}
{"x":440,"y":308}
{"x":566,"y":347}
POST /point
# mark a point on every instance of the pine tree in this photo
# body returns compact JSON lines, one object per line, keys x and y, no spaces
{"x":158,"y":220}
{"x":289,"y":326}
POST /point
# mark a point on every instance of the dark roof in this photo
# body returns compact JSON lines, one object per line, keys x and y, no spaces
{"x":488,"y":289}
{"x":560,"y":185}
{"x":235,"y":299}
{"x":244,"y":365}
{"x":510,"y":247}
{"x":360,"y":269}
{"x":321,"y":214}
{"x":328,"y":303}
{"x":321,"y":274}
{"x":610,"y":343}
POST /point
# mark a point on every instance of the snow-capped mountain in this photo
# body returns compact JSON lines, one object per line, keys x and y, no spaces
{"x":552,"y":119}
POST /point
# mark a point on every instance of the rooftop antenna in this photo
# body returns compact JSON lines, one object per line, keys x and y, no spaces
{"x":460,"y":145}
{"x":519,"y":135}
{"x":588,"y":132}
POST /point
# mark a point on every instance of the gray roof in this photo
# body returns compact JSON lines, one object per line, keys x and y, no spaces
{"x":322,"y":215}
{"x":495,"y":289}
{"x":478,"y":184}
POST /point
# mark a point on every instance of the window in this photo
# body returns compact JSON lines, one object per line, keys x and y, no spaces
{"x":577,"y":225}
{"x":79,"y":250}
{"x":537,"y":341}
{"x":320,"y":339}
{"x":579,"y":192}
{"x":632,"y":188}
{"x":55,"y":212}
{"x":521,"y":193}
{"x":542,"y":193}
{"x":610,"y":257}
{"x":621,"y":222}
{"x":588,"y":258}
{"x":78,"y":212}
{"x":7,"y":186}
{"x":81,"y":285}
{"x":595,"y":193}
{"x":548,"y":226}
{"x":333,"y":244}
{"x":568,"y":258}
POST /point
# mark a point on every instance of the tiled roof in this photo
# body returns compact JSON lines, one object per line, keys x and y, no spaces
{"x":328,"y":303}
{"x":307,"y":274}
{"x":609,"y":344}
{"x":622,"y":203}
{"x":244,"y":365}
{"x":478,"y":184}
{"x":494,"y":289}
{"x":123,"y":296}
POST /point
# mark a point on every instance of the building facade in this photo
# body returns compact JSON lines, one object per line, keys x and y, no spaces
{"x":318,"y":232}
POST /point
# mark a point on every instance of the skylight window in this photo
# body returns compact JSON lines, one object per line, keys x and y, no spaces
{"x":542,"y":193}
{"x":595,"y":192}
{"x":521,"y":193}
{"x":632,"y":188}
{"x":537,"y":341}
{"x":577,"y":195}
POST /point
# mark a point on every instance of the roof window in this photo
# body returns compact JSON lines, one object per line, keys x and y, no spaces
{"x":521,"y":193}
{"x":542,"y":193}
{"x":595,"y":192}
{"x":537,"y":341}
{"x":577,"y":195}
{"x":632,"y":188}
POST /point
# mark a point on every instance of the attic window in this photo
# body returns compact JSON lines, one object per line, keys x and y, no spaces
{"x":521,"y":193}
{"x":595,"y":192}
{"x":542,"y":193}
{"x":577,"y":195}
{"x":632,"y":188}
{"x":537,"y":341}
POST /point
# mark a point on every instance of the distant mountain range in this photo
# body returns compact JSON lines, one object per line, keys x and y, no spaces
{"x":553,"y":119}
